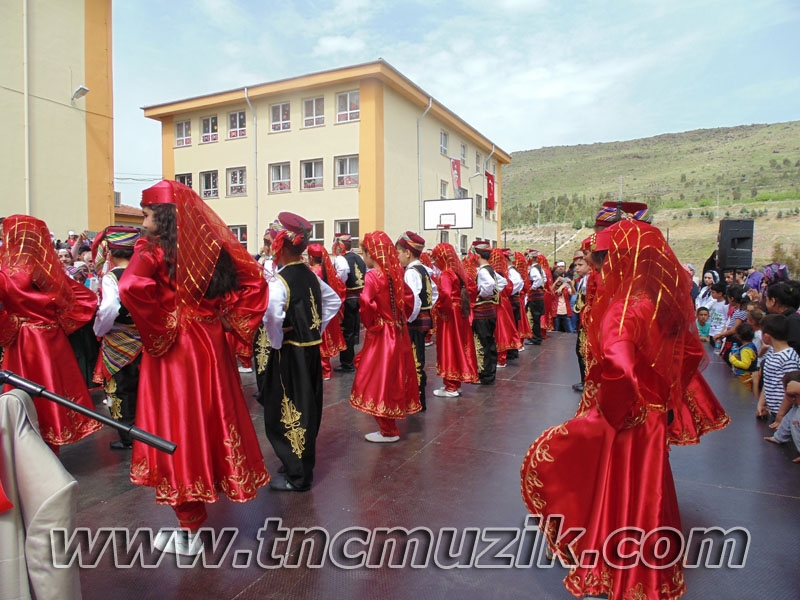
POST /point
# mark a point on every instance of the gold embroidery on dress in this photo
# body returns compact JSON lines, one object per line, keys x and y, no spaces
{"x":116,"y":402}
{"x":316,"y":322}
{"x":359,"y":275}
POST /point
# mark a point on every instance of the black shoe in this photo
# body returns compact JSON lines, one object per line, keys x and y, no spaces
{"x":281,"y":484}
{"x":529,"y":342}
{"x":344,"y":369}
{"x":577,"y":387}
{"x":120,"y":445}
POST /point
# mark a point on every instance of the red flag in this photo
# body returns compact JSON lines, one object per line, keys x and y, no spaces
{"x":489,"y":191}
{"x":455,"y":168}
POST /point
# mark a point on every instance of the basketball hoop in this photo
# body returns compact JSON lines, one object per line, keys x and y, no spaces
{"x":443,"y":226}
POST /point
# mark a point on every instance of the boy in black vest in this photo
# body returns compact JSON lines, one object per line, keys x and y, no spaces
{"x":485,"y":314}
{"x":409,"y":247}
{"x":351,"y":269}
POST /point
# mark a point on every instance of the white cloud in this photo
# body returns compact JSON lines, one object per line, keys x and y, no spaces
{"x":338,"y":44}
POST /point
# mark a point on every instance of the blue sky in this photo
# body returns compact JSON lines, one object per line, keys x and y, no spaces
{"x":525,"y":73}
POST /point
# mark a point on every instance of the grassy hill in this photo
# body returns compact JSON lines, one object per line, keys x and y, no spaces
{"x":690,"y":180}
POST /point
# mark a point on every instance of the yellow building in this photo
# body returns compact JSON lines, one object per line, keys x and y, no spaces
{"x":352,"y":149}
{"x":56,"y":113}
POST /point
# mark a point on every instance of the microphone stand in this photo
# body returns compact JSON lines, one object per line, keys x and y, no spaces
{"x":34,"y":389}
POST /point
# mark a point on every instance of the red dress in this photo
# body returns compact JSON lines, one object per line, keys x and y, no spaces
{"x":385,"y":384}
{"x":34,"y":333}
{"x":506,"y":334}
{"x":332,"y":338}
{"x":455,"y":346}
{"x":190,"y":391}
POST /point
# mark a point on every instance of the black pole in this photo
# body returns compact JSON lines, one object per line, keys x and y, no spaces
{"x":34,"y":389}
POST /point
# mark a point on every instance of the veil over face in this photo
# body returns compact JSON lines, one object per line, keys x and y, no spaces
{"x":381,"y":248}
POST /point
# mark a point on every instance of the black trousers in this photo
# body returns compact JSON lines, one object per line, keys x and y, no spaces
{"x":535,"y":310}
{"x":351,"y":324}
{"x":486,"y":349}
{"x":122,"y":390}
{"x":418,"y":345}
{"x":292,"y":400}
{"x":579,"y":344}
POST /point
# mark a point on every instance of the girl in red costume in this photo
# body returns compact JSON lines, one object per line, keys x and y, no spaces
{"x":39,"y":307}
{"x":456,"y":361}
{"x":332,"y":338}
{"x":385,"y":384}
{"x":506,"y":334}
{"x":523,"y":324}
{"x":188,"y":282}
{"x":607,"y":469}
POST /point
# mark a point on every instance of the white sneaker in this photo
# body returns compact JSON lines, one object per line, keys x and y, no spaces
{"x":245,"y":370}
{"x":501,"y":366}
{"x":443,"y":393}
{"x":428,"y":344}
{"x":178,"y":541}
{"x":378,"y":437}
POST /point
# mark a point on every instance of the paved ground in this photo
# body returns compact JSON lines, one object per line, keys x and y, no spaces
{"x":457,"y":466}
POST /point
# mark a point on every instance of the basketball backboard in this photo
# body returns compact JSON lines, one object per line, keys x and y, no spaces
{"x":455,"y":212}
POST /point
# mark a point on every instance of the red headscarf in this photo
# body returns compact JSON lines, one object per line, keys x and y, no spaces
{"x":499,"y":262}
{"x":201,"y":237}
{"x":381,"y":248}
{"x":329,"y":271}
{"x":27,"y":247}
{"x":445,"y":257}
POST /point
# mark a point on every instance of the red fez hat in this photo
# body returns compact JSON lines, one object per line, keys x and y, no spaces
{"x":578,"y":254}
{"x":412,"y":241}
{"x":161,"y":193}
{"x":295,"y":223}
{"x":121,"y":237}
{"x":344,"y":237}
{"x":481,"y":245}
{"x":588,"y":244}
{"x":315,"y":250}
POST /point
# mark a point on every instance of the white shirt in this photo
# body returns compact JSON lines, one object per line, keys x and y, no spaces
{"x":516,"y":281}
{"x":414,"y":281}
{"x":535,"y":276}
{"x":341,"y":266}
{"x":108,"y":310}
{"x":276,"y":309}
{"x":486,"y":283}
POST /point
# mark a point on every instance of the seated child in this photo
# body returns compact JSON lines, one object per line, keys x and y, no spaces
{"x":703,"y":326}
{"x":781,"y":359}
{"x":789,"y":427}
{"x":744,"y":360}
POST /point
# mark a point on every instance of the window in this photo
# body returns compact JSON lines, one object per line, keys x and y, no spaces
{"x":487,"y":214}
{"x":209,"y":130}
{"x":442,"y":189}
{"x":347,"y":107}
{"x":280,"y":117}
{"x":237,"y":124}
{"x":314,"y":112}
{"x":312,"y":174}
{"x":463,"y":245}
{"x":478,"y":205}
{"x":183,"y":133}
{"x":237,"y":181}
{"x":464,"y":154}
{"x":347,"y":171}
{"x":461,"y":193}
{"x":184,"y":178}
{"x":478,"y":163}
{"x":445,"y":236}
{"x":317,"y":232}
{"x":208,"y":184}
{"x":280,"y":178}
{"x":443,"y":142}
{"x":350,"y":226}
{"x":240,"y":231}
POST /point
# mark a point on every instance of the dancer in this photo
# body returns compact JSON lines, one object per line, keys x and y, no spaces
{"x":608,"y":468}
{"x":188,"y":282}
{"x":39,"y":307}
{"x":332,"y":339}
{"x":409,"y":248}
{"x":121,"y":345}
{"x":506,"y":334}
{"x":300,"y":307}
{"x":385,"y":385}
{"x":456,"y":361}
{"x":484,"y":321}
{"x":354,"y":280}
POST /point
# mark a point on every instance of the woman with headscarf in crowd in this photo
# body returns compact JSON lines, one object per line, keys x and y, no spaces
{"x":40,"y":305}
{"x":607,"y":470}
{"x":385,"y":384}
{"x":332,"y":338}
{"x":704,"y":298}
{"x":456,"y":360}
{"x":188,"y":282}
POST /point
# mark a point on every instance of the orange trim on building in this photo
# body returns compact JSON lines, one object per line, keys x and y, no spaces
{"x":99,"y":114}
{"x":371,"y":189}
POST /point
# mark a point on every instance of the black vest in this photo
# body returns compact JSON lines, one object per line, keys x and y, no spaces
{"x":355,"y":279}
{"x":303,"y":305}
{"x":124,"y":316}
{"x":495,"y":297}
{"x":426,"y":293}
